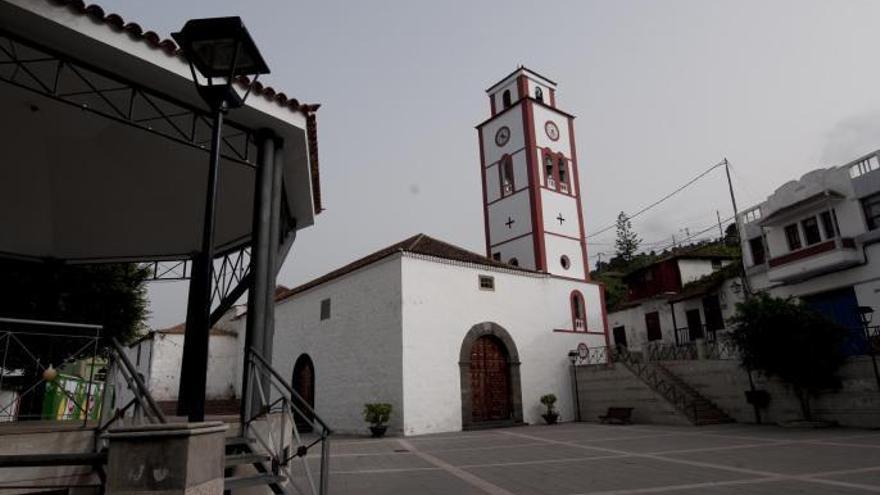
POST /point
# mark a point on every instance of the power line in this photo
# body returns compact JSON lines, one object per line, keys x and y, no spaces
{"x":664,"y":198}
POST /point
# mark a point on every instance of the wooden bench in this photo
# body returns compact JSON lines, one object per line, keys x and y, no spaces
{"x":618,"y":415}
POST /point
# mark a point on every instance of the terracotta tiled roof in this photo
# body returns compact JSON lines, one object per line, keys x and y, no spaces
{"x":170,"y":48}
{"x":180,"y":329}
{"x":418,"y":244}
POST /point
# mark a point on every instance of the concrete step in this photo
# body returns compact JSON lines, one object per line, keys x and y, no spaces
{"x":249,"y":458}
{"x":239,"y":482}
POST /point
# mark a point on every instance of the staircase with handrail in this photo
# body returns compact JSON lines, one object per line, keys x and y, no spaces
{"x":685,"y":399}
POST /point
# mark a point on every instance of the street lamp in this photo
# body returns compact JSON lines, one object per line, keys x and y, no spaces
{"x":866,"y":313}
{"x":572,"y":358}
{"x":219,"y":49}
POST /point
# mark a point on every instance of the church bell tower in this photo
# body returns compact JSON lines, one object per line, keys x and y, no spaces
{"x":531,"y":190}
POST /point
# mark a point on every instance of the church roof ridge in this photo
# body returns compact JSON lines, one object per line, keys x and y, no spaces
{"x":418,"y":244}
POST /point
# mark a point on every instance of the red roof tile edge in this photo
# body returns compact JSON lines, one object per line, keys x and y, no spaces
{"x":170,"y":48}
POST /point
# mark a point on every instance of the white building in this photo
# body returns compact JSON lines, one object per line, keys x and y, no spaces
{"x":158,"y":357}
{"x":453,"y":339}
{"x":816,"y":238}
{"x":690,"y":294}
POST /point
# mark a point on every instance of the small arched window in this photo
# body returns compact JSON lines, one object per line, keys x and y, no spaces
{"x":578,"y":311}
{"x":548,"y":169}
{"x":539,"y":94}
{"x":563,"y":174}
{"x":505,"y":98}
{"x":507,"y":184}
{"x":513,"y":262}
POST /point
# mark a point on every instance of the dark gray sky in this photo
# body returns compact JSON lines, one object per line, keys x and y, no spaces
{"x":662,"y":90}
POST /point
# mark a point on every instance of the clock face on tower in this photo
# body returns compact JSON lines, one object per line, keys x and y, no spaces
{"x":551,"y":130}
{"x":502,"y":136}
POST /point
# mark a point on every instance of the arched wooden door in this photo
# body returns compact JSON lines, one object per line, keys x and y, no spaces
{"x":490,"y":380}
{"x":304,"y":385}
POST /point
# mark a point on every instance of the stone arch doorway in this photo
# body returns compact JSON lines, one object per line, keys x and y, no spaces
{"x":490,"y":379}
{"x":303,"y":382}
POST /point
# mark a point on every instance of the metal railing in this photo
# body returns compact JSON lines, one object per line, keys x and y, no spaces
{"x":28,"y":373}
{"x":654,"y":377}
{"x":282,"y":405}
{"x":50,"y":371}
{"x":686,"y":335}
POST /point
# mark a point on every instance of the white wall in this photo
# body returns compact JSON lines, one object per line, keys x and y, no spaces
{"x":223,"y":370}
{"x":693,"y":269}
{"x":633,"y":320}
{"x":556,"y":247}
{"x":356,"y":352}
{"x":542,"y":115}
{"x":516,"y":207}
{"x":523,"y":249}
{"x":442,"y":301}
{"x":514,"y":121}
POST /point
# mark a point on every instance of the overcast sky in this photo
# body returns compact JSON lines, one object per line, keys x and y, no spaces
{"x":662,"y":90}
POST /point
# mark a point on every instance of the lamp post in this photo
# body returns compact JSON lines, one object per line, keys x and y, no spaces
{"x":572,"y":358}
{"x":865,"y":315}
{"x":220,"y":49}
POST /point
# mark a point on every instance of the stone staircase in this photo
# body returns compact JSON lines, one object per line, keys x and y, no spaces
{"x":240,"y":452}
{"x":684,"y":398}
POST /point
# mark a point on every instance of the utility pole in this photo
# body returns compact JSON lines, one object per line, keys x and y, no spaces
{"x":747,"y":290}
{"x":720,"y":230}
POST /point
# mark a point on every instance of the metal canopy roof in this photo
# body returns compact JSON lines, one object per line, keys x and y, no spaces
{"x":103,"y":144}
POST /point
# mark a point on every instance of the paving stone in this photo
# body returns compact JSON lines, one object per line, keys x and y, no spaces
{"x":796,"y":458}
{"x":415,"y":483}
{"x":597,"y":475}
{"x":574,"y":458}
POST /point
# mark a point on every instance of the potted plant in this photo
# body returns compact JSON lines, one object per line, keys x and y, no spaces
{"x":551,"y":416}
{"x":377,"y":414}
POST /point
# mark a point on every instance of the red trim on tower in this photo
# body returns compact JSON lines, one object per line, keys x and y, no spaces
{"x":483,"y":171}
{"x":522,"y":86}
{"x":492,"y":103}
{"x":552,"y":97}
{"x":604,"y":315}
{"x":490,"y":203}
{"x":512,"y":239}
{"x":573,"y":166}
{"x":534,"y":186}
{"x":562,"y":235}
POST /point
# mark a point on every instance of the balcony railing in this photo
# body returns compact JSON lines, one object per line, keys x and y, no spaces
{"x":832,"y":254}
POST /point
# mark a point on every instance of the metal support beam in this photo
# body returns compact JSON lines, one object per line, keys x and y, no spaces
{"x":259,"y":273}
{"x":274,"y":246}
{"x":194,"y":368}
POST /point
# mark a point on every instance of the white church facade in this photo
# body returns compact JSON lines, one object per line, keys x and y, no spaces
{"x":451,"y":338}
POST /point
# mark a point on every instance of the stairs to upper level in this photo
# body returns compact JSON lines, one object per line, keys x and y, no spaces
{"x":240,"y":452}
{"x":685,"y":399}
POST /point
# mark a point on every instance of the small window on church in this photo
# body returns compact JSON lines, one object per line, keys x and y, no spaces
{"x":548,"y":170}
{"x":507,"y":184}
{"x":505,"y":98}
{"x":578,"y":311}
{"x":325,"y":309}
{"x":513,"y":262}
{"x":487,"y":282}
{"x":562,"y":171}
{"x":539,"y":94}
{"x":565,"y":262}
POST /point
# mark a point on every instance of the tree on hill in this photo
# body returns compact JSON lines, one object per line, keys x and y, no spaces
{"x":627,"y":242}
{"x":783,"y":338}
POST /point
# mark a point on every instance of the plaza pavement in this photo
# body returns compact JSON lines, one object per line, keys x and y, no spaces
{"x":585,"y":458}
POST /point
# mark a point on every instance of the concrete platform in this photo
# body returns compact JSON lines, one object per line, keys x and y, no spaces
{"x":587,"y":458}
